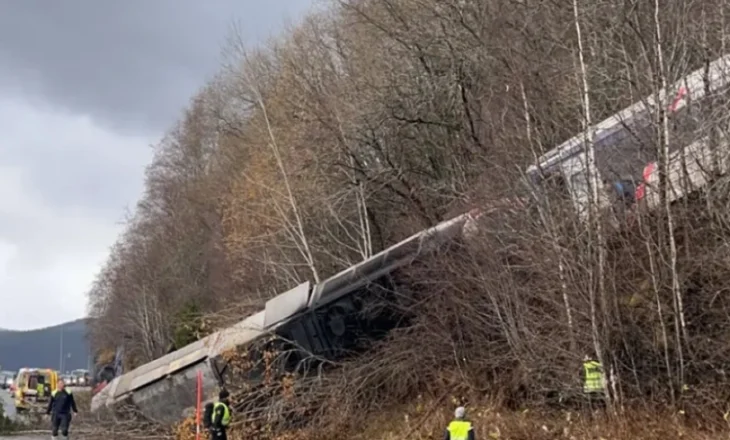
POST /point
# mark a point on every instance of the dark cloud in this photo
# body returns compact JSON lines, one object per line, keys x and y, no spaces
{"x":132,"y":64}
{"x":85,"y":87}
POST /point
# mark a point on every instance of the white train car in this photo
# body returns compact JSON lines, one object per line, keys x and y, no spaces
{"x":318,"y":319}
{"x":702,"y":120}
{"x":625,"y":143}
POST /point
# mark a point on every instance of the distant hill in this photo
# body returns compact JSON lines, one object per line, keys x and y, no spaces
{"x":42,"y":347}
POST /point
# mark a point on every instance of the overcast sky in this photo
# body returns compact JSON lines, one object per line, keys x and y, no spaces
{"x":86,"y":86}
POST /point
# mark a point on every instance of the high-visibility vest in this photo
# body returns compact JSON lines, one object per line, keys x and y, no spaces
{"x":53,"y":394}
{"x":226,"y":413}
{"x":459,"y":430}
{"x":593,"y":381}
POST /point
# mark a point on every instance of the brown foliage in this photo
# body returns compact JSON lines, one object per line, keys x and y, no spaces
{"x":376,"y":118}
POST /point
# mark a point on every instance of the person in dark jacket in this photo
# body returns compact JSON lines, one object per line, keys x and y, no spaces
{"x":59,"y":408}
{"x":221,"y":417}
{"x":459,"y":428}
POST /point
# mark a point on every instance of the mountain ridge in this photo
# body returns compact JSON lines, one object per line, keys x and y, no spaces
{"x":42,"y":347}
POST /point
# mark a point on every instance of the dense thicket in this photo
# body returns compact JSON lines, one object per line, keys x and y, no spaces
{"x":377,"y":118}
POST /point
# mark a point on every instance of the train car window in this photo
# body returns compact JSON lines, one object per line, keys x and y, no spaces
{"x":581,"y":192}
{"x":627,"y":150}
{"x":712,"y":112}
{"x":625,"y":190}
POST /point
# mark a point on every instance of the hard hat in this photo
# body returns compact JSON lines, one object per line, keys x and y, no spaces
{"x":460,"y":412}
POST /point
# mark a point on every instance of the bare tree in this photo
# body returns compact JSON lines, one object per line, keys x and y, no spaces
{"x":595,"y":204}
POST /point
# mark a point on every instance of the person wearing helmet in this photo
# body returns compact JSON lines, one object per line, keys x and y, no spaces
{"x":459,"y":428}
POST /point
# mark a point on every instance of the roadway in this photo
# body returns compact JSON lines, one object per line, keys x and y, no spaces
{"x":6,"y":400}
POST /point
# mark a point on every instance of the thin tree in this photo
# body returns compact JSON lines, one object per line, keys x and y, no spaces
{"x":594,"y":205}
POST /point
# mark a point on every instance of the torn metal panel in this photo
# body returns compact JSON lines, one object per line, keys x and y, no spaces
{"x":286,"y":305}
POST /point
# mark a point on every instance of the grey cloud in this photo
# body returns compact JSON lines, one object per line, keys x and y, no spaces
{"x":70,"y":161}
{"x":131,"y":64}
{"x":85,"y":87}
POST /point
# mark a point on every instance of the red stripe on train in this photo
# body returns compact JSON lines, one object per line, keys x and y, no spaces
{"x":99,"y":387}
{"x":680,"y":95}
{"x":649,"y":168}
{"x":641,"y":189}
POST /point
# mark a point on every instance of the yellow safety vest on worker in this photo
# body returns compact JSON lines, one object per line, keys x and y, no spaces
{"x":54,"y":392}
{"x":593,"y":381}
{"x":226,"y":413}
{"x":459,"y":430}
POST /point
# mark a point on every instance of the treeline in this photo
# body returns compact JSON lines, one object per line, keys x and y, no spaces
{"x":373,"y":119}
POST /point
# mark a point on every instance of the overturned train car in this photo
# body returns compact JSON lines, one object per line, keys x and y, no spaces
{"x":625,"y":151}
{"x":319,"y":319}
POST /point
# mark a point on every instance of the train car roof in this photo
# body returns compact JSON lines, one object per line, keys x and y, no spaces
{"x":237,"y":335}
{"x":285,"y":306}
{"x":160,"y":367}
{"x":386,"y":261}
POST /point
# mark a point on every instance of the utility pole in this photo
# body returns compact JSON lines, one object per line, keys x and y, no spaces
{"x":60,"y":354}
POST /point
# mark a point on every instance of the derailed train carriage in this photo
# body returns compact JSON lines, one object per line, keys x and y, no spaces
{"x":624,"y":145}
{"x":323,"y":321}
{"x":318,"y":319}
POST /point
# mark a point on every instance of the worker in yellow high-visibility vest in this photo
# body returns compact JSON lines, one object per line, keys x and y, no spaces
{"x":459,"y":428}
{"x":221,"y":417}
{"x":593,"y":379}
